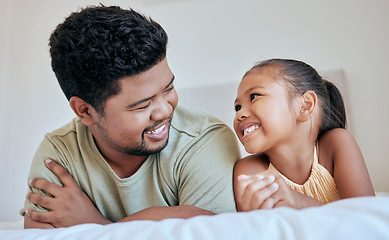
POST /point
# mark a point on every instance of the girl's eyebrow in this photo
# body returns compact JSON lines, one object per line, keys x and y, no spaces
{"x":250,"y":89}
{"x":148,"y":98}
{"x":254,"y":87}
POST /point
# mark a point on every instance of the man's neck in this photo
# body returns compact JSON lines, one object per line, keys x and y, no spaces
{"x":123,"y":164}
{"x":126,"y":167}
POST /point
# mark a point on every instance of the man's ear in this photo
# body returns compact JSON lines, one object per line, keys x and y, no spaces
{"x":84,"y":111}
{"x":308,"y":104}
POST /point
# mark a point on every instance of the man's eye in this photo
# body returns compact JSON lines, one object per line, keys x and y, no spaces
{"x":144,"y":107}
{"x":254,"y":95}
{"x":169,"y":89}
{"x":237,"y":108}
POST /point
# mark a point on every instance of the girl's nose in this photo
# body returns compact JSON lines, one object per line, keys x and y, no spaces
{"x":241,"y":114}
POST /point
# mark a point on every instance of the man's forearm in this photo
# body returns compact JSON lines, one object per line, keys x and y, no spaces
{"x":153,"y":213}
{"x":160,"y":213}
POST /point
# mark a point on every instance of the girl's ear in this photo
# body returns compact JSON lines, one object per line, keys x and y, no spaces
{"x":83,"y":110}
{"x":308,"y":103}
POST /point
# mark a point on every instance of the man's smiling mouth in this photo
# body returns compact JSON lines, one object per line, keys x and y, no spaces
{"x":158,"y":130}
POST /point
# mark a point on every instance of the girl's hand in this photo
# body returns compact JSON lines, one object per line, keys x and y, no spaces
{"x":286,"y":196}
{"x":255,"y":191}
{"x":264,"y":191}
{"x":69,"y":205}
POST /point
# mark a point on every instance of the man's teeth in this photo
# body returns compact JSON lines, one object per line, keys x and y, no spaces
{"x":156,"y":131}
{"x":250,"y":129}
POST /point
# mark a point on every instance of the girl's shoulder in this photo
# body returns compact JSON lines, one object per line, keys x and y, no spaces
{"x":333,"y":144}
{"x":339,"y":148}
{"x":252,"y":164}
{"x":335,"y":136}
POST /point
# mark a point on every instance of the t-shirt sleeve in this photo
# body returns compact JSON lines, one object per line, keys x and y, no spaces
{"x":207,"y":168}
{"x":38,"y":169}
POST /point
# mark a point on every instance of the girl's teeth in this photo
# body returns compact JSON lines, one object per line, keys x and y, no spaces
{"x":249,"y":129}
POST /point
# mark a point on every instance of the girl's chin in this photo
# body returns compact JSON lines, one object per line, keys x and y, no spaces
{"x":253,"y":148}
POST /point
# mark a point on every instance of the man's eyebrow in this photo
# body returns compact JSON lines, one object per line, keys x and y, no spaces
{"x":171,"y":82}
{"x":149,"y":98}
{"x":140,"y":101}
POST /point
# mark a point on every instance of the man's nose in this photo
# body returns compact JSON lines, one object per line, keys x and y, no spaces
{"x":162,"y":109}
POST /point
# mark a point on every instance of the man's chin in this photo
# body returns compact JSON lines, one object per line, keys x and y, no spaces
{"x":143,"y":151}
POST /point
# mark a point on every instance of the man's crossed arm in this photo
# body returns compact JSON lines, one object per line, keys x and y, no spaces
{"x":71,"y":206}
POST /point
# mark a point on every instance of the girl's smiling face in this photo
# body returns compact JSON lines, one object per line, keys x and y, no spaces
{"x":264,"y":118}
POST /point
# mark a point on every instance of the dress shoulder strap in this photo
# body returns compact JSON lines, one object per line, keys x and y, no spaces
{"x":315,"y":154}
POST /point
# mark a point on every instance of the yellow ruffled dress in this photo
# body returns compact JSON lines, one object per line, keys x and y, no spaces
{"x":320,"y":184}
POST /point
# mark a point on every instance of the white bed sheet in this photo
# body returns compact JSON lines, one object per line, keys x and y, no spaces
{"x":358,"y":218}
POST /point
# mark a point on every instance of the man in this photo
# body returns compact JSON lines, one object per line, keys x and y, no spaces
{"x":130,"y":153}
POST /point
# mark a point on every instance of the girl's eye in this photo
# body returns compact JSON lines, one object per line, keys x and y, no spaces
{"x":253,"y":95}
{"x":237,"y":108}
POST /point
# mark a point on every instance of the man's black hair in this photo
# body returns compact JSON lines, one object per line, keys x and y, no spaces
{"x":95,"y":47}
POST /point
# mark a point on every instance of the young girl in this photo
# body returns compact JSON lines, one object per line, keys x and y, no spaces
{"x":293,"y":121}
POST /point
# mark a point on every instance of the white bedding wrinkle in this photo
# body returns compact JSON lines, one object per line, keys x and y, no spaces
{"x":356,"y":218}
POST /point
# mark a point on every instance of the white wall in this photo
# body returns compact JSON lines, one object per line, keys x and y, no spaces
{"x":211,"y":41}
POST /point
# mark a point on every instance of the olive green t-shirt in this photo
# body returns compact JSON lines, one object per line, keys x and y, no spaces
{"x":195,"y":168}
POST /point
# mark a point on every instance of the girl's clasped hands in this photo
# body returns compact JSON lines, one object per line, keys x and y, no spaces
{"x":264,"y":190}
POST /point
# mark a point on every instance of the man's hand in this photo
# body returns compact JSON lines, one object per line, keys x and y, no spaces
{"x":69,"y":205}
